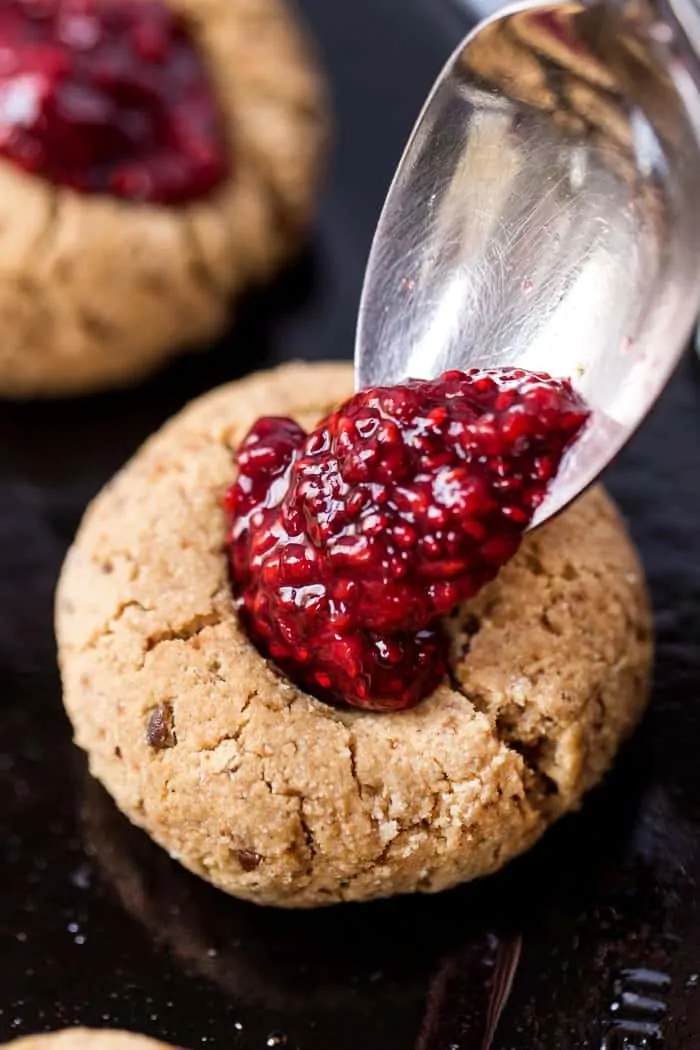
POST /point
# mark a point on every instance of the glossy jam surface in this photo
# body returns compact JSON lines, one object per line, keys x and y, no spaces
{"x":108,"y":96}
{"x":349,"y":544}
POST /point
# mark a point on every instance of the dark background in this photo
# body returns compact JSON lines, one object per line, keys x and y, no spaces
{"x":98,"y":927}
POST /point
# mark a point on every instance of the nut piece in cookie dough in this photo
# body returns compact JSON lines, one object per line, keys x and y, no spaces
{"x":175,"y":160}
{"x":278,"y":798}
{"x":87,"y":1039}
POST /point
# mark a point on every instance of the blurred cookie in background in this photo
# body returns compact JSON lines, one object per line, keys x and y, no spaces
{"x":156,"y":157}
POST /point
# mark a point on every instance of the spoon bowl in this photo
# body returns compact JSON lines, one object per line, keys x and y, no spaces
{"x":546,"y":215}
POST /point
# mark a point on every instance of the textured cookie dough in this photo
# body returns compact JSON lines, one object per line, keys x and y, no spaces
{"x":272,"y":795}
{"x":97,"y":291}
{"x":87,"y":1039}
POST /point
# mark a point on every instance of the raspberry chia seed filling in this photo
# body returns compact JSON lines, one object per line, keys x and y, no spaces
{"x":108,"y":96}
{"x":349,"y":544}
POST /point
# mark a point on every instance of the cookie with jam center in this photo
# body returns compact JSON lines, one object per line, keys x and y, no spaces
{"x":279,"y":798}
{"x":156,"y":158}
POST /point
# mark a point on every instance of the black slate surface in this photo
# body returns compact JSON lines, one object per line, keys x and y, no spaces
{"x":600,"y":924}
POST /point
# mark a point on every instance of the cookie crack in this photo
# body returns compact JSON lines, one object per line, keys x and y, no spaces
{"x":539,"y":788}
{"x":208,"y":749}
{"x":105,"y":630}
{"x":404,"y":828}
{"x":130,"y":603}
{"x":352,"y":750}
{"x":185,"y":632}
{"x":312,"y":848}
{"x":234,"y":737}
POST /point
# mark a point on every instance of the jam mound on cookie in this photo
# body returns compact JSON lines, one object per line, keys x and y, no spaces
{"x":108,"y":96}
{"x":348,"y":544}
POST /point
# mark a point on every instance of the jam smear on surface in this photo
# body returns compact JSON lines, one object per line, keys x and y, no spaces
{"x":349,"y":544}
{"x":108,"y":96}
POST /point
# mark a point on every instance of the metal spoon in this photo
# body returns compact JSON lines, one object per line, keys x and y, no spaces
{"x":546,"y":214}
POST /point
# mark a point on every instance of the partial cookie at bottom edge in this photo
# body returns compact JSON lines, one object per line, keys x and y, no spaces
{"x":270,"y":794}
{"x":87,"y":1039}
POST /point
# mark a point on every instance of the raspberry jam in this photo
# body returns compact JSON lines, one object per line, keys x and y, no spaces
{"x":108,"y":96}
{"x":348,"y":544}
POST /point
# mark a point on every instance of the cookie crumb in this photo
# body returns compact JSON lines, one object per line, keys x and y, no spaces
{"x":160,"y":733}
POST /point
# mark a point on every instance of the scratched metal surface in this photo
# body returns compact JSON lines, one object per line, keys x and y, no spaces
{"x":591,"y":941}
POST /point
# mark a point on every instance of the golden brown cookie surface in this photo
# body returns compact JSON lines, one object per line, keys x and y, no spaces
{"x":96,"y":291}
{"x":87,"y":1039}
{"x":274,"y":796}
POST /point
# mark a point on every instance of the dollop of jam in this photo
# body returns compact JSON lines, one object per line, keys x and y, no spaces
{"x":108,"y":96}
{"x":349,"y":544}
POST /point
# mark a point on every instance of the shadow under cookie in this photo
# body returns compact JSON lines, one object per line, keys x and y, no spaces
{"x":320,"y":964}
{"x":436,"y":967}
